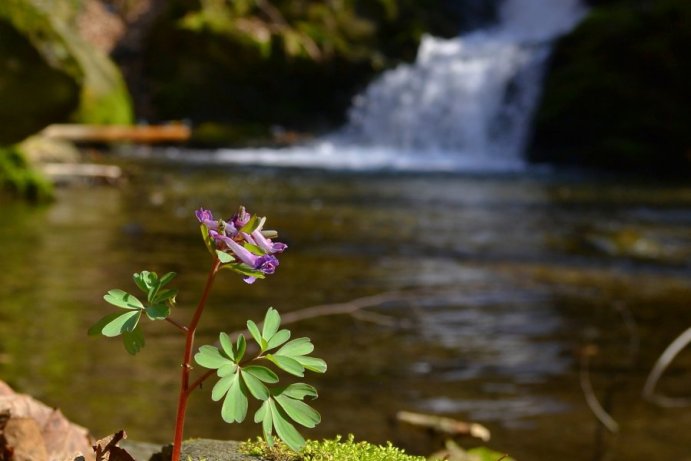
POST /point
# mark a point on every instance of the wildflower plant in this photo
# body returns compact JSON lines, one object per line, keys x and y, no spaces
{"x":242,"y":245}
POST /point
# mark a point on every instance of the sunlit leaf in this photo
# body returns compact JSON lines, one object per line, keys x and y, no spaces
{"x":227,"y":345}
{"x":240,"y":348}
{"x":312,"y":363}
{"x":261,"y":373}
{"x":287,"y":364}
{"x":255,"y":386}
{"x":222,"y":387}
{"x":97,"y":328}
{"x":133,"y":340}
{"x":272,"y":320}
{"x":139,"y":281}
{"x":296,"y":347}
{"x":165,"y":295}
{"x":234,"y":407}
{"x":261,"y":413}
{"x":299,"y":411}
{"x":224,"y":257}
{"x":123,"y":299}
{"x":254,"y":331}
{"x":228,"y":369}
{"x":244,"y":269}
{"x":267,"y":421}
{"x":285,"y":430}
{"x":279,"y":338}
{"x":210,"y":357}
{"x":299,"y":391}
{"x":254,"y":249}
{"x":251,"y":225}
{"x":125,"y":322}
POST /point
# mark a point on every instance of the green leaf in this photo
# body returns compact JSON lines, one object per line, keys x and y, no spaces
{"x":287,"y":364}
{"x":222,"y":387}
{"x":165,"y":295}
{"x":225,"y":370}
{"x":240,"y":348}
{"x":123,"y":299}
{"x":312,"y":363}
{"x":261,"y":373}
{"x":158,"y":311}
{"x":208,"y":241}
{"x":279,"y":338}
{"x":251,"y":225}
{"x":139,"y":281}
{"x":125,"y":322}
{"x":299,"y":411}
{"x":244,"y":269}
{"x":224,"y":257}
{"x":264,"y":415}
{"x":254,"y":331}
{"x":166,"y":279}
{"x":227,"y":346}
{"x":234,"y":407}
{"x":297,"y":347}
{"x":133,"y":340}
{"x":97,"y":327}
{"x":254,"y":249}
{"x":299,"y":391}
{"x":272,"y":320}
{"x":210,"y":357}
{"x":255,"y":386}
{"x":286,"y":431}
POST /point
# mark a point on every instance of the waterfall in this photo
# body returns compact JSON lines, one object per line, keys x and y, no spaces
{"x":465,"y":104}
{"x":470,"y":97}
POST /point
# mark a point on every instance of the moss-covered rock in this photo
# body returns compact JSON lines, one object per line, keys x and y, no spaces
{"x":18,"y":179}
{"x":59,"y":65}
{"x":617,"y":94}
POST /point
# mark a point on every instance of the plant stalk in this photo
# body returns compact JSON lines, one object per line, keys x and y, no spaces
{"x":185,"y":388}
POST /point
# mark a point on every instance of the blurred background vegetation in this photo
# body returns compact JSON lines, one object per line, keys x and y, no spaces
{"x":616,"y":95}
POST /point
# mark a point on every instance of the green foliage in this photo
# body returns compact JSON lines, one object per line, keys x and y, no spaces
{"x":327,"y":450}
{"x":617,"y":93}
{"x":159,"y":301}
{"x":19,"y":179}
{"x":241,"y":378}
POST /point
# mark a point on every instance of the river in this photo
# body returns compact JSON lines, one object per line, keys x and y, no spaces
{"x":493,"y":286}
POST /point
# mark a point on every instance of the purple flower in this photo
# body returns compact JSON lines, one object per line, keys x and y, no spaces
{"x":227,"y":238}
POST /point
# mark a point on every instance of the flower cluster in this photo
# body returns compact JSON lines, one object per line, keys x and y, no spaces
{"x":243,"y":238}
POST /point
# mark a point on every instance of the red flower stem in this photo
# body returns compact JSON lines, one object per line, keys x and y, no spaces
{"x":185,"y":388}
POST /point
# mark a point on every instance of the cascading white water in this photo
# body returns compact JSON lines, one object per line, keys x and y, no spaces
{"x":465,"y":104}
{"x":471,"y":96}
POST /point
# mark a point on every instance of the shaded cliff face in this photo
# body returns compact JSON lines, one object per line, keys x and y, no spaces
{"x":617,"y":95}
{"x":51,"y":74}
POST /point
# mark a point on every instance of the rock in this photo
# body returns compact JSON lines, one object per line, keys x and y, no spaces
{"x":206,"y":450}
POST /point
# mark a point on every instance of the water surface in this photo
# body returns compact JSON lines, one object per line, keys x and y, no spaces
{"x":493,"y":284}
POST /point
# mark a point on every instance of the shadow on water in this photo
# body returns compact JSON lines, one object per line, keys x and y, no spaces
{"x":498,"y":282}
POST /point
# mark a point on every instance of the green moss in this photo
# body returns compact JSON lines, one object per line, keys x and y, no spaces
{"x":328,"y":450}
{"x":18,"y":179}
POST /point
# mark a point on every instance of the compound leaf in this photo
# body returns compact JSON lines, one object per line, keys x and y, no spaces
{"x":164,"y":295}
{"x":133,"y":340}
{"x":121,"y":324}
{"x":299,"y":411}
{"x":123,"y":299}
{"x":167,"y":278}
{"x":240,"y":348}
{"x":227,"y":369}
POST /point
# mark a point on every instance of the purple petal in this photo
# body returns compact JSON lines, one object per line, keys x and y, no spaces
{"x":241,"y":252}
{"x":266,"y":244}
{"x":267,"y":264}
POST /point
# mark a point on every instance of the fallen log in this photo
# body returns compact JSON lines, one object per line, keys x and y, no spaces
{"x":145,"y":134}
